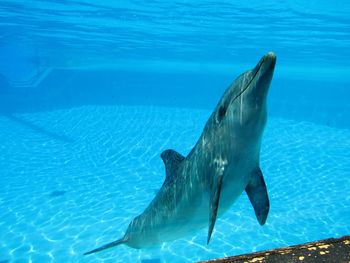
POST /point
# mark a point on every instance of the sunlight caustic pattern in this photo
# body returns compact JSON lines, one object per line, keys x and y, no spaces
{"x":73,"y":179}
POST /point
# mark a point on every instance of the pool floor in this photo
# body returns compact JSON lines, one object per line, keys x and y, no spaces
{"x":71,"y":180}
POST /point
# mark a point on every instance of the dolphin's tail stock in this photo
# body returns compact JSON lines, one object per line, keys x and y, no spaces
{"x":106,"y":246}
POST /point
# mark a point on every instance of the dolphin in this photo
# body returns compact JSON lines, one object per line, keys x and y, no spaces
{"x":224,"y":162}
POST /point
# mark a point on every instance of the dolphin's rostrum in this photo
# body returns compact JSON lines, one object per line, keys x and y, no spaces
{"x":223,"y":163}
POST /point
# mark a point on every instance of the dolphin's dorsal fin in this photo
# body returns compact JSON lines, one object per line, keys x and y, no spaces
{"x":257,"y":193}
{"x":171,"y":159}
{"x":214,"y":204}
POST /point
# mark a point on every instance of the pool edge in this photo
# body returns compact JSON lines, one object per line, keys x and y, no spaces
{"x":326,"y":250}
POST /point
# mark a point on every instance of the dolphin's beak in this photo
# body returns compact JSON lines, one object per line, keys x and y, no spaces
{"x":263,"y":73}
{"x":266,"y":63}
{"x":269,"y":61}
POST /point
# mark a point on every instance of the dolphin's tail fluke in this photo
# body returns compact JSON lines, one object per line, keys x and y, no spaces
{"x":109,"y":245}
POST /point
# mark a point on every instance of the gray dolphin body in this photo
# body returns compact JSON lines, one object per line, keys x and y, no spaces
{"x":223,"y":163}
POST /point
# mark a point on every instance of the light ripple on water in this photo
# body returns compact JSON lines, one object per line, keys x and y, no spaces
{"x":60,"y":198}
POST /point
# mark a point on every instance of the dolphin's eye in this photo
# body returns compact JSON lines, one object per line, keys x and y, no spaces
{"x":221,"y":112}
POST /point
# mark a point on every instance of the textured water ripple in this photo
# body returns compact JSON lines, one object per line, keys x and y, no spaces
{"x":73,"y":179}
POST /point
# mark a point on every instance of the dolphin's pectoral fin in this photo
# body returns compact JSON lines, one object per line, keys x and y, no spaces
{"x":171,"y":160}
{"x":257,"y":193}
{"x":214,"y":205}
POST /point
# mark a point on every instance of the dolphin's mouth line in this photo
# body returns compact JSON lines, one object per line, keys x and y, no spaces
{"x":246,"y":87}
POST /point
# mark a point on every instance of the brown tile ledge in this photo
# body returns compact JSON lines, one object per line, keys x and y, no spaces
{"x":332,"y":250}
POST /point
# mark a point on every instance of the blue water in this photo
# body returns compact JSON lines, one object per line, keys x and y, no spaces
{"x":92,"y":92}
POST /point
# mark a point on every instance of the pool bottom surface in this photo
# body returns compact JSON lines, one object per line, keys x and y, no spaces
{"x":72,"y":180}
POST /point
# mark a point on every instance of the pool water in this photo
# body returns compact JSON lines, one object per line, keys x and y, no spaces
{"x":91,"y":93}
{"x":73,"y":179}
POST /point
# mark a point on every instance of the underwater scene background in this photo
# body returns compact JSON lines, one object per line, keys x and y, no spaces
{"x":91,"y":92}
